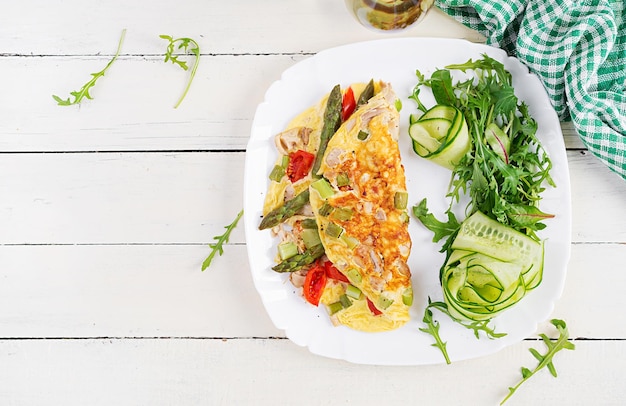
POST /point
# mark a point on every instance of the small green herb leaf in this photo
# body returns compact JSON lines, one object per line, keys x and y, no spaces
{"x":562,"y":342}
{"x":439,"y":228}
{"x":188,"y":46}
{"x":84,"y":91}
{"x":476,"y":326}
{"x":432,"y":328}
{"x":218,"y":247}
{"x":441,"y":83}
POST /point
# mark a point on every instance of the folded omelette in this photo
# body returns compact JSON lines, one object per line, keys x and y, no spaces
{"x":355,"y":204}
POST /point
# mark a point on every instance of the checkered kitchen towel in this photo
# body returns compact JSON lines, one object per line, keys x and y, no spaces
{"x":577,"y":48}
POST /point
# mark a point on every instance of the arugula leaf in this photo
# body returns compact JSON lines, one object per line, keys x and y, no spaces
{"x":562,"y":342}
{"x":218,"y":247}
{"x":189,"y":46}
{"x":84,"y":91}
{"x":432,"y":328}
{"x":439,"y":228}
{"x":475,"y":326}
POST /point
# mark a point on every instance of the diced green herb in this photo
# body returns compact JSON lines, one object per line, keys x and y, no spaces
{"x":334,"y":230}
{"x":353,"y":292}
{"x":400,"y":200}
{"x":384,"y":302}
{"x":345,"y":301}
{"x":354,"y":275}
{"x":351,"y":242}
{"x":310,"y":237}
{"x":323,"y":188}
{"x":325,"y":210}
{"x":334,"y":307}
{"x":342,"y":214}
{"x":343,"y":180}
{"x":309,"y":223}
{"x":287,"y":250}
{"x":407,"y":296}
{"x":277,"y":173}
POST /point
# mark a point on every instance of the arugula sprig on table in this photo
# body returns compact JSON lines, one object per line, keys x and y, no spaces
{"x":217,"y":248}
{"x":545,"y":360}
{"x":84,"y":91}
{"x":188,"y":46}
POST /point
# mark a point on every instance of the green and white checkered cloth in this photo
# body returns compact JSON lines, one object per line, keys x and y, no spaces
{"x":577,"y":48}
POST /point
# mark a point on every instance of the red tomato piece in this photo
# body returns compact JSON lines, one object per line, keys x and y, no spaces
{"x":333,"y":273}
{"x":314,"y":284}
{"x":300,"y":163}
{"x":373,"y":308}
{"x":348,"y":104}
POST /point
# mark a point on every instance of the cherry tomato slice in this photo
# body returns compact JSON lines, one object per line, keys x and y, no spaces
{"x":373,"y":308}
{"x":333,"y":273}
{"x":314,"y":284}
{"x":300,"y":163}
{"x":348,"y":104}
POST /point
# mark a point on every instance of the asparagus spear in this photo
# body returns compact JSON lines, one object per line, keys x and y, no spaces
{"x":332,"y":121}
{"x":366,"y":94}
{"x":282,"y":213}
{"x":298,"y":261}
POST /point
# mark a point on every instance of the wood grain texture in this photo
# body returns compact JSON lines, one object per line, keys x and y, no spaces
{"x":159,"y":291}
{"x":107,"y":210}
{"x":76,"y":27}
{"x":187,"y":197}
{"x":132,"y":109}
{"x":270,"y":371}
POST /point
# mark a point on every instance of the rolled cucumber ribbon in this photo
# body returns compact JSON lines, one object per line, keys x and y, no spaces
{"x":441,"y":135}
{"x":491,"y":268}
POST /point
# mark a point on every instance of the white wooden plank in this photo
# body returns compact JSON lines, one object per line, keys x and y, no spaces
{"x":128,"y":291}
{"x":598,"y":197}
{"x":76,"y":27}
{"x":119,"y":198}
{"x":188,"y":197}
{"x":159,"y":291}
{"x":269,"y":372}
{"x":132,"y":107}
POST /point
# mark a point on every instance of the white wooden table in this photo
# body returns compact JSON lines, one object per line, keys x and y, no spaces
{"x":107,"y":208}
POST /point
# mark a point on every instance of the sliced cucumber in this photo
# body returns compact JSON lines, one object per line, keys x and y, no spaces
{"x":480,"y":233}
{"x":440,"y":111}
{"x":423,"y":138}
{"x":440,"y":135}
{"x":490,"y":268}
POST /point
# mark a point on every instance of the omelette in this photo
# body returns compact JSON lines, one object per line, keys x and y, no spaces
{"x":342,"y":218}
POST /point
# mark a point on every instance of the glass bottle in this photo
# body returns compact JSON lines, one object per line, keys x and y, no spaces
{"x":388,"y":15}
